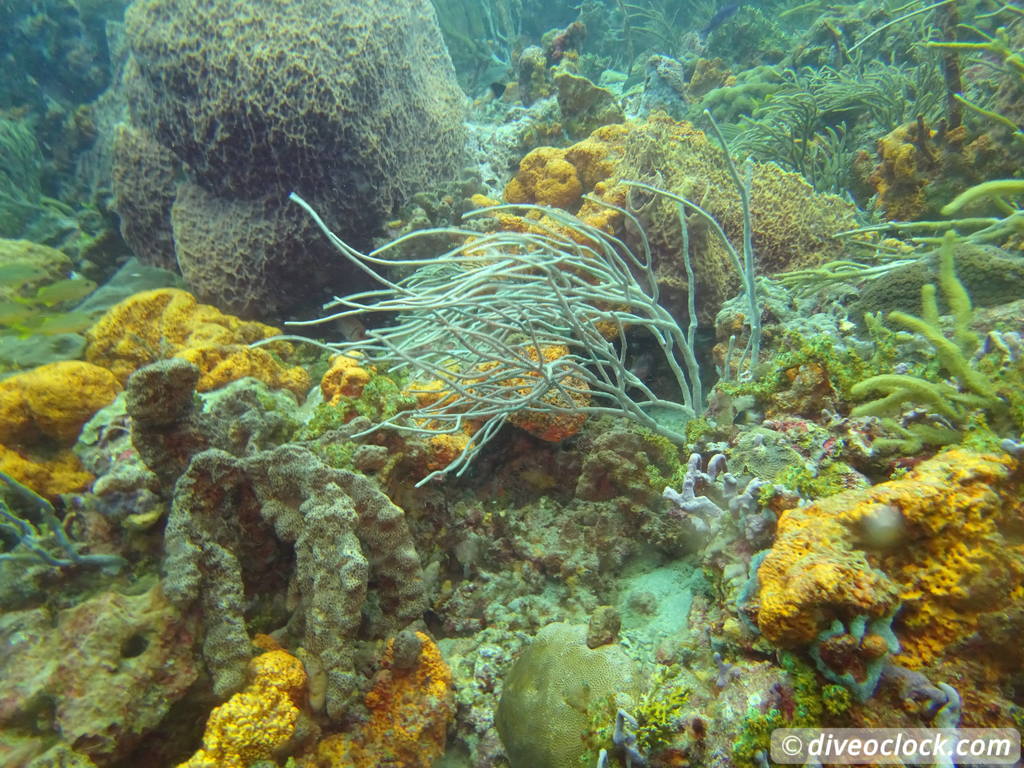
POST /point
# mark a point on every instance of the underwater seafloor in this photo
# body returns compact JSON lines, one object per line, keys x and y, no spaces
{"x":667,"y":388}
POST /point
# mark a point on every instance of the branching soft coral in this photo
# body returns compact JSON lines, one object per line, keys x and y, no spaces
{"x":953,"y":404}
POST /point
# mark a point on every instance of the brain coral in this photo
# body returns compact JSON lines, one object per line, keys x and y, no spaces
{"x":551,"y":693}
{"x":991,"y":276}
{"x":352,"y":104}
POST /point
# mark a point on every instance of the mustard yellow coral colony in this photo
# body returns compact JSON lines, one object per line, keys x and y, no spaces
{"x":949,"y":563}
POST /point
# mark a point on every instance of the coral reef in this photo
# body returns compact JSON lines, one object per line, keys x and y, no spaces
{"x":920,"y":169}
{"x":411,"y":704}
{"x":742,"y":94}
{"x":792,"y":224}
{"x":221,"y":365}
{"x":665,"y":87}
{"x":59,"y":472}
{"x":344,"y":532}
{"x":169,"y":424}
{"x":102,"y":673}
{"x":541,"y":489}
{"x":585,"y":106}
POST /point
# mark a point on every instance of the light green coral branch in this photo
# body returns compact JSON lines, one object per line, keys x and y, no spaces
{"x":989,"y":190}
{"x":956,"y":296}
{"x":997,"y":44}
{"x":954,"y":355}
{"x":901,"y":389}
{"x":992,"y":115}
{"x":950,"y":355}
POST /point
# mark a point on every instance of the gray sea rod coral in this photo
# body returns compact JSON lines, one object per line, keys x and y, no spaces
{"x":352,"y":104}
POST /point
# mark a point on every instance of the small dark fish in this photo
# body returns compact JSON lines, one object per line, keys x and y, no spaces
{"x":643,"y":365}
{"x":351,"y":328}
{"x":724,"y":14}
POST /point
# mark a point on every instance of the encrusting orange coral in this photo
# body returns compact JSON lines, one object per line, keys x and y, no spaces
{"x":253,"y":724}
{"x":345,"y":378}
{"x":545,"y":177}
{"x":53,"y":401}
{"x":443,"y":449}
{"x":168,"y":322}
{"x":41,"y":413}
{"x":900,"y":189}
{"x":550,"y":425}
{"x":220,"y":365}
{"x":49,"y":476}
{"x":954,"y":559}
{"x":410,"y":709}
